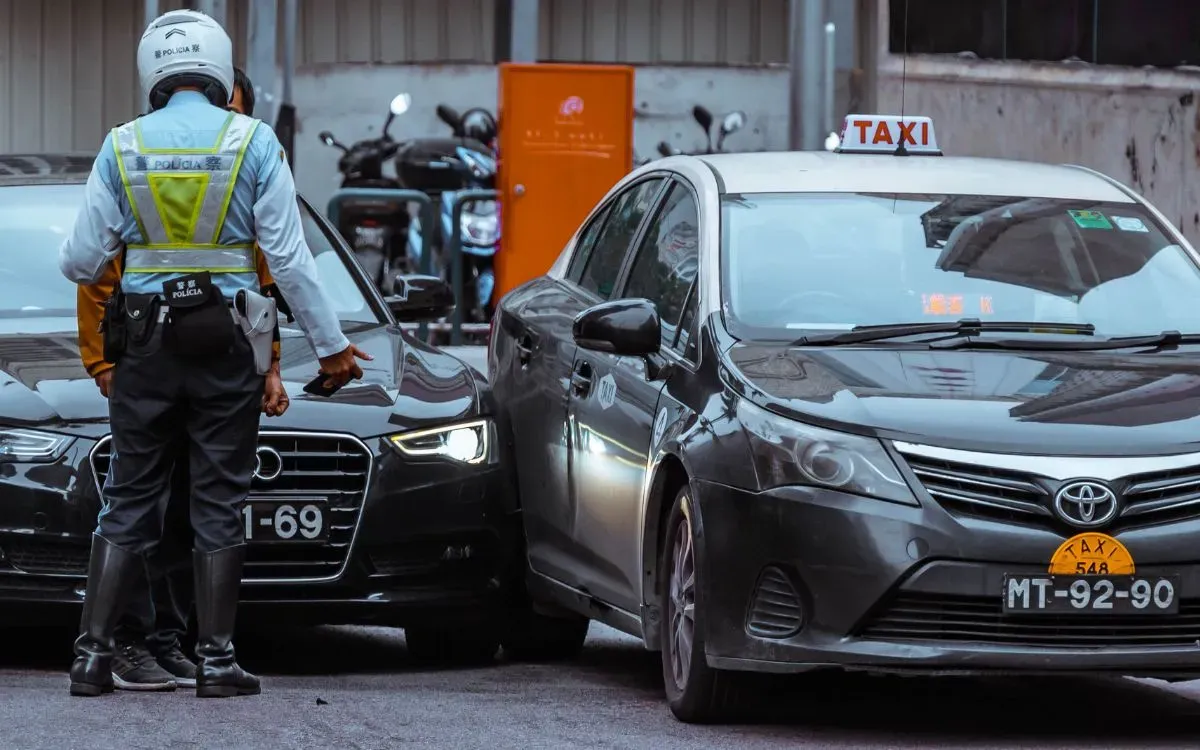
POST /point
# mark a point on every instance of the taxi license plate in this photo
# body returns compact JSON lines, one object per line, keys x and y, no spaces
{"x":1111,"y":595}
{"x":301,"y":520}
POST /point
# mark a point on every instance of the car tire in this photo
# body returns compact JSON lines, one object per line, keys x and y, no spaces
{"x":696,"y":693}
{"x":452,"y":646}
{"x":534,"y":637}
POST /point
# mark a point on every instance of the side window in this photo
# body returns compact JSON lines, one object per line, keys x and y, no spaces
{"x":583,"y":248}
{"x":685,"y":343}
{"x":604,"y":262}
{"x":668,"y":258}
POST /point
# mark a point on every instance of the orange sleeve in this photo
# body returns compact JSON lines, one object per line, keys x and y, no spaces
{"x":89,"y":311}
{"x":264,"y":273}
{"x":266,"y":279}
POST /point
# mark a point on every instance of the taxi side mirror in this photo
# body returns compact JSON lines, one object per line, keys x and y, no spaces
{"x":625,"y":327}
{"x":420,"y":299}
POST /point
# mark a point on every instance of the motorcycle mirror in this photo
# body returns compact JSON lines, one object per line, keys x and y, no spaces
{"x":327,"y":138}
{"x":665,"y":149}
{"x":705,"y":120}
{"x":401,"y":104}
{"x":449,"y":116}
{"x":733,"y":122}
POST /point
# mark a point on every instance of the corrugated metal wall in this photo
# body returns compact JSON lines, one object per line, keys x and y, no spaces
{"x":706,"y":32}
{"x":67,"y":69}
{"x":67,"y":66}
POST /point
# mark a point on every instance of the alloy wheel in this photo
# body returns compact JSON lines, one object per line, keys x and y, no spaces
{"x":682,"y":604}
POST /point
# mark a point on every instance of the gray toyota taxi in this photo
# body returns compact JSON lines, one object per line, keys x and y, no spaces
{"x":876,"y":408}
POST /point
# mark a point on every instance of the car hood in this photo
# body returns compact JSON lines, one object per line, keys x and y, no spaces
{"x":1050,"y":403}
{"x":408,"y":384}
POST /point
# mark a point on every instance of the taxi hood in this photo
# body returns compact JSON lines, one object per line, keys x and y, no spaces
{"x":1049,"y":403}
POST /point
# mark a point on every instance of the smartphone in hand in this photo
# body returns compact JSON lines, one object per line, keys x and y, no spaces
{"x":316,"y":386}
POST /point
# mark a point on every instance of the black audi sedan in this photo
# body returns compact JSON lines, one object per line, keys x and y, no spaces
{"x":910,"y":413}
{"x":383,"y":504}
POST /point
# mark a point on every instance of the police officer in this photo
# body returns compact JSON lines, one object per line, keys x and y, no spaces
{"x":182,"y":195}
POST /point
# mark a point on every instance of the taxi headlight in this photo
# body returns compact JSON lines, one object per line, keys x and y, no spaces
{"x":32,"y":446}
{"x":788,"y":452}
{"x":466,"y":442}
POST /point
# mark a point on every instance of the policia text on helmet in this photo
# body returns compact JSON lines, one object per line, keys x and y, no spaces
{"x":185,"y":196}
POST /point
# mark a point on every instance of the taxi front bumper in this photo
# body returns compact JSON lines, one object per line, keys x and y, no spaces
{"x":798,"y":579}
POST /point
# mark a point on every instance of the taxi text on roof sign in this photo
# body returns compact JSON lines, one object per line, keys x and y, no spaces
{"x":875,"y":134}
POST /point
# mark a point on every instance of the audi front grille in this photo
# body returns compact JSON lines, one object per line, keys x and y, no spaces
{"x":328,"y":466}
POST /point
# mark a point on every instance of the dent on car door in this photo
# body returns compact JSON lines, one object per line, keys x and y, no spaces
{"x":612,"y":414}
{"x":533,"y":392}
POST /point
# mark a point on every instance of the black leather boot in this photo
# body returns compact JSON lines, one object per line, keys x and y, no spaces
{"x":218,"y":577}
{"x":112,"y":574}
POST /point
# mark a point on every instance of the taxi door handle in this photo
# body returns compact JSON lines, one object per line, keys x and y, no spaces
{"x":581,"y":379}
{"x":524,"y":347}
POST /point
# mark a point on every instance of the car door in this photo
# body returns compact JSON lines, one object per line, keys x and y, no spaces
{"x":531,"y":370}
{"x":613,"y":404}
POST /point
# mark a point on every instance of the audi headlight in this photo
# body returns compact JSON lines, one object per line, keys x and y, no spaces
{"x":32,"y":446}
{"x":467,"y":442}
{"x":788,"y":452}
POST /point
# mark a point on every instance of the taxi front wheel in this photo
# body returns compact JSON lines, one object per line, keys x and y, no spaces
{"x":696,"y":692}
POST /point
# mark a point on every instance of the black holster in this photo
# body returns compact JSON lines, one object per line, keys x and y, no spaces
{"x":112,"y":325}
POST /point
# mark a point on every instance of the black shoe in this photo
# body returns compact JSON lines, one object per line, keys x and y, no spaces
{"x":179,"y":666}
{"x":134,"y":668}
{"x":218,"y":576}
{"x":112,"y":574}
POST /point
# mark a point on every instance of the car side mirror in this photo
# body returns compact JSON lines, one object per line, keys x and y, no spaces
{"x":420,"y":299}
{"x":625,"y":327}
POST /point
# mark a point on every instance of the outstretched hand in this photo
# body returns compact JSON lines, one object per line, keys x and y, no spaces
{"x":341,"y":368}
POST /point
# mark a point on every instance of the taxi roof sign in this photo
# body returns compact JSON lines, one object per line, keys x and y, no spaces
{"x":888,"y":134}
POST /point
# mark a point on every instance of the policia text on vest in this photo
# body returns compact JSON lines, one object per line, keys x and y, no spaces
{"x":185,"y":372}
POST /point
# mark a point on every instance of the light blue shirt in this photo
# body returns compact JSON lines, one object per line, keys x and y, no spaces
{"x":263,"y":209}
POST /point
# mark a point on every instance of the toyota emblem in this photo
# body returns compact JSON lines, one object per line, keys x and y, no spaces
{"x":1086,"y":503}
{"x":268,"y":464}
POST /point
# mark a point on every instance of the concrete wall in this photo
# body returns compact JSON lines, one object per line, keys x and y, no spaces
{"x":1140,"y":126}
{"x":351,"y":102}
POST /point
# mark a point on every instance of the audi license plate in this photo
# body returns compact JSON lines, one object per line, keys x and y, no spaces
{"x":1114,"y":595}
{"x":301,"y":520}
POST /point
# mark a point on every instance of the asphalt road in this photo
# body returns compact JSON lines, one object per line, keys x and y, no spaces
{"x":351,"y":688}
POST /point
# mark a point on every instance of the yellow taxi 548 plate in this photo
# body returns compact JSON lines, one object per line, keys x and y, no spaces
{"x":1092,"y":574}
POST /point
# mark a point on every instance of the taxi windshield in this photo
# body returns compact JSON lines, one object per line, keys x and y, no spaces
{"x":794,"y":262}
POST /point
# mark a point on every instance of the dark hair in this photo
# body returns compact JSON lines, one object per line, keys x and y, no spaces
{"x":242,"y":81}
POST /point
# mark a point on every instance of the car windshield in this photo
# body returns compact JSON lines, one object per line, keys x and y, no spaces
{"x":803,"y":261}
{"x":35,"y":219}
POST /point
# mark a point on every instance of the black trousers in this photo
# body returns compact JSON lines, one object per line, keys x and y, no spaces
{"x":160,"y":607}
{"x":162,"y":406}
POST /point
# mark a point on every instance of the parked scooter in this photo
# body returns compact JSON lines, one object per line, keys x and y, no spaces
{"x":377,"y":229}
{"x":467,"y":162}
{"x":730,"y":124}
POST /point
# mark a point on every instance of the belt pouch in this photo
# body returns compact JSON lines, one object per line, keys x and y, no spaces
{"x":141,"y":317}
{"x":112,"y":325}
{"x":198,"y":324}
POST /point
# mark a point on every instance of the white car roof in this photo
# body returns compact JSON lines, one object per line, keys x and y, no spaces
{"x":827,"y":172}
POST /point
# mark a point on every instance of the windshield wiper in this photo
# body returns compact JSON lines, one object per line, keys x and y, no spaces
{"x":1158,"y":341}
{"x":961,"y":328}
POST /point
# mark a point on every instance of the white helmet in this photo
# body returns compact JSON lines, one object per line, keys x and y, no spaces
{"x":185,"y":48}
